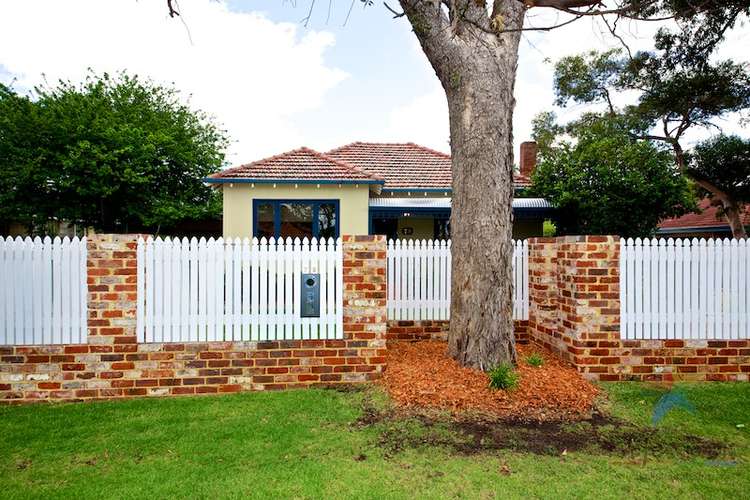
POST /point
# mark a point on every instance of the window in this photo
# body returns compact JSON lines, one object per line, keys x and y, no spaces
{"x":296,"y":218}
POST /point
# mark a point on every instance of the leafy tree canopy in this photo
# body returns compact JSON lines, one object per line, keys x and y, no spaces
{"x":678,"y":86}
{"x":116,"y":152}
{"x":725,"y":162}
{"x":603,"y":181}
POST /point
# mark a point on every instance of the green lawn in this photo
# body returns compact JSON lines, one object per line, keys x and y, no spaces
{"x":310,"y":444}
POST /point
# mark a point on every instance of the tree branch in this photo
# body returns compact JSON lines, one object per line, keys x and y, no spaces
{"x":172,"y":10}
{"x":396,"y":15}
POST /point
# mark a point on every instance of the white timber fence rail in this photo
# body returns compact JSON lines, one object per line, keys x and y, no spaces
{"x":43,"y":291}
{"x":419,"y":279}
{"x":684,"y":289}
{"x":236,"y":290}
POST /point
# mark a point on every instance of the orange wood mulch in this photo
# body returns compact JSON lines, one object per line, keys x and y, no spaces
{"x":422,"y":375}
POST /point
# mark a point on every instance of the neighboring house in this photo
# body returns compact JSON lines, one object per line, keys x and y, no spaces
{"x":400,"y":190}
{"x":706,"y":224}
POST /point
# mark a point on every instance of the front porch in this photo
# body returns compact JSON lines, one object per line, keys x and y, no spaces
{"x":429,"y":218}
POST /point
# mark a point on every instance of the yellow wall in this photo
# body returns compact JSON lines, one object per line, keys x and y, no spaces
{"x":424,"y":228}
{"x":238,"y":204}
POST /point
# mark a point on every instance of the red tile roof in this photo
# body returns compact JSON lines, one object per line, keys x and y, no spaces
{"x":708,"y":218}
{"x":403,"y":165}
{"x":301,"y":164}
{"x":399,"y":165}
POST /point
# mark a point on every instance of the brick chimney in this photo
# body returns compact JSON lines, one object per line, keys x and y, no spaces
{"x":528,"y":158}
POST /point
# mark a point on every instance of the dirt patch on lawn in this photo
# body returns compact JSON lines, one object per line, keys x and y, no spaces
{"x":401,"y":428}
{"x":422,"y":375}
{"x":599,"y":434}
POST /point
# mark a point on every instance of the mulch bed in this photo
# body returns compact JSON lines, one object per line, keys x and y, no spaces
{"x":422,"y":375}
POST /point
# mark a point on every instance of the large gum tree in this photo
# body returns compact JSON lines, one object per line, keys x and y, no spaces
{"x":473,"y":47}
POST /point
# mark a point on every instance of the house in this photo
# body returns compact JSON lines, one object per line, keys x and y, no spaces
{"x":401,"y":190}
{"x":706,"y":224}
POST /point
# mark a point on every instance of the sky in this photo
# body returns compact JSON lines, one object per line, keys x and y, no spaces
{"x":275,"y":83}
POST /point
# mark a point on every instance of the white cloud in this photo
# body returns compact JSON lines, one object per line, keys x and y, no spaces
{"x":252,"y":74}
{"x":424,"y":120}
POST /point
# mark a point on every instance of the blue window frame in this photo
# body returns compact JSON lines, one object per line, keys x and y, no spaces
{"x":282,"y":218}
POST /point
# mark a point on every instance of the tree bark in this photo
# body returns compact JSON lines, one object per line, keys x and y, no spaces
{"x":732,"y":210}
{"x":477,"y":69}
{"x":734,"y":216}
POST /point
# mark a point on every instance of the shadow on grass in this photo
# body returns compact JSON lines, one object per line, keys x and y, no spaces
{"x":472,"y":434}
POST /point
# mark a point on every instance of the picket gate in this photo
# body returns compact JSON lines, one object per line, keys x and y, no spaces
{"x":236,"y":290}
{"x":684,"y":289}
{"x":43,"y":291}
{"x":419,"y":279}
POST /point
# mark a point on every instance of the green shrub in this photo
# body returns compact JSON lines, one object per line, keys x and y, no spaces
{"x":503,"y":376}
{"x":535,"y":359}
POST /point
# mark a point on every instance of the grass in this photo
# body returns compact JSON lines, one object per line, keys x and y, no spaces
{"x":504,"y":376}
{"x":534,"y":359}
{"x":309,"y":444}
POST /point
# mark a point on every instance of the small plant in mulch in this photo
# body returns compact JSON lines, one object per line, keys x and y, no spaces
{"x":504,"y":377}
{"x":534,"y":359}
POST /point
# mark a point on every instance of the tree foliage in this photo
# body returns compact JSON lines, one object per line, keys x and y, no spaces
{"x":603,"y":181}
{"x":678,"y":86}
{"x":115,"y":153}
{"x":724,"y":161}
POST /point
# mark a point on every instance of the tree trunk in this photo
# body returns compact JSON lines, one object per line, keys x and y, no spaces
{"x":734,"y":216}
{"x":732,"y":210}
{"x":477,"y":69}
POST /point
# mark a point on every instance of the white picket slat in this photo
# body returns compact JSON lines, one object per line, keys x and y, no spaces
{"x":237,"y":290}
{"x":43,"y":291}
{"x":419,"y":279}
{"x":691,"y":289}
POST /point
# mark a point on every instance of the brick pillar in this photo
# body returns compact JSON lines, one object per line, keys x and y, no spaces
{"x":544,"y":317}
{"x":112,"y":274}
{"x":365,"y":303}
{"x":575,"y":295}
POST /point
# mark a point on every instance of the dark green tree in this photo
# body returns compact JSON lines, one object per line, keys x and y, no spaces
{"x":678,"y":87}
{"x":721,"y":166}
{"x":114,"y":153}
{"x":604,"y":181}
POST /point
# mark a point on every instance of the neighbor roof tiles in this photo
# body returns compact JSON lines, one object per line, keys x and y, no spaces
{"x":708,"y":218}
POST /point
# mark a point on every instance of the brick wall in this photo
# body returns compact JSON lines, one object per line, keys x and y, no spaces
{"x":667,"y":360}
{"x":413,"y":331}
{"x":574,"y":310}
{"x":113,"y":365}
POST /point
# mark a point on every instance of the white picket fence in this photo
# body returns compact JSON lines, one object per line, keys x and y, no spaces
{"x":43,"y":291}
{"x":685,"y":289}
{"x":419,"y":279}
{"x":239,"y":290}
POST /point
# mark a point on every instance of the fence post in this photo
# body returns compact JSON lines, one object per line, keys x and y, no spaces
{"x":364,"y":279}
{"x":112,"y":290}
{"x":575,"y":297}
{"x":544,"y":296}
